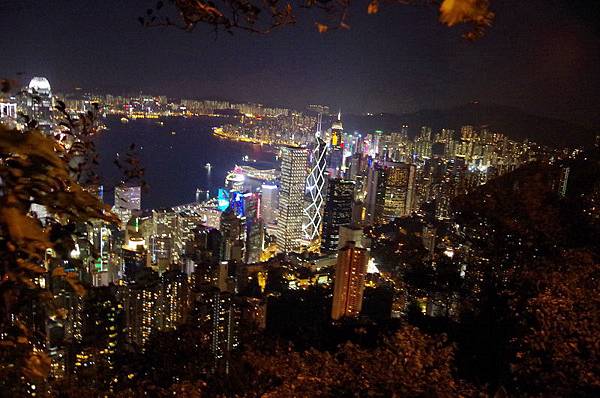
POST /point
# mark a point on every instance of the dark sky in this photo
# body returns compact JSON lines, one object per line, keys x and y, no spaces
{"x":541,"y":55}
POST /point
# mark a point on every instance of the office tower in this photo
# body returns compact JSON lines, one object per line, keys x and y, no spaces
{"x":269,"y":203}
{"x":291,"y":198}
{"x":8,"y":114}
{"x":161,"y":250}
{"x":134,"y":257}
{"x":395,"y":191}
{"x":38,"y":102}
{"x":127,"y":202}
{"x":233,"y":230}
{"x":187,"y":221}
{"x":164,"y":222}
{"x":315,"y":184}
{"x":335,"y":161}
{"x":349,"y":283}
{"x":218,"y":316}
{"x":128,"y":197}
{"x":206,"y":245}
{"x":254,"y":227}
{"x":8,"y":110}
{"x":428,"y":238}
{"x":367,"y":216}
{"x":338,"y":211}
{"x":161,"y":242}
{"x":375,"y":147}
{"x":102,"y":241}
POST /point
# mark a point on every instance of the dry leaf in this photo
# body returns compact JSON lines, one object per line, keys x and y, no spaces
{"x":321,"y":28}
{"x":373,"y":7}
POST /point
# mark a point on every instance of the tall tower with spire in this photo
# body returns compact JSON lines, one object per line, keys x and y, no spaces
{"x":315,"y":183}
{"x":336,"y":151}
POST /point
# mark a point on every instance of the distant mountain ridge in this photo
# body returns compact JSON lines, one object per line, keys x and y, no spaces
{"x":511,"y":121}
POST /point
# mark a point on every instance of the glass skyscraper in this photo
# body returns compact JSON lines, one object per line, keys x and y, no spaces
{"x":291,"y":197}
{"x":338,"y":212}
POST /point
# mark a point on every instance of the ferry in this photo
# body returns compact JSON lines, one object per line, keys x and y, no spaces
{"x":173,"y":133}
{"x":124,"y":120}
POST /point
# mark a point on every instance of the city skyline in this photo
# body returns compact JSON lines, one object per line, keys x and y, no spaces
{"x":175,"y":243}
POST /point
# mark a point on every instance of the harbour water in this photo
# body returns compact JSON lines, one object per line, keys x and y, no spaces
{"x":175,"y":164}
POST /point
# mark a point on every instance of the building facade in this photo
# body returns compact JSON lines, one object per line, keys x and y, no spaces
{"x":291,"y":198}
{"x":349,"y":283}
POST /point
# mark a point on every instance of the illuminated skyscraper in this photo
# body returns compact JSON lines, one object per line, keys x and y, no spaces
{"x":335,"y":161}
{"x":134,"y":258}
{"x":291,"y":197}
{"x":187,"y":221}
{"x":234,"y":236}
{"x":349,"y":284}
{"x":164,"y":222}
{"x":142,"y":308}
{"x":315,"y":183}
{"x":269,"y":203}
{"x":38,"y":101}
{"x":128,"y":199}
{"x":173,"y":299}
{"x":254,"y":227}
{"x":395,"y":191}
{"x":338,"y":211}
{"x":8,"y":113}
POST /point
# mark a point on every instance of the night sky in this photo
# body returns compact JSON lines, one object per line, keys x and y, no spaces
{"x":541,"y":55}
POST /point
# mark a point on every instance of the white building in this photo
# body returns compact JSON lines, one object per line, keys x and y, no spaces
{"x":291,"y":197}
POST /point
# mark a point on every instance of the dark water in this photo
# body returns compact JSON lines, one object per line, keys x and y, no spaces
{"x":174,"y":164}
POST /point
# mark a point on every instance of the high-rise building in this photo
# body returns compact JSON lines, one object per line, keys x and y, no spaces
{"x":164,"y":222}
{"x":254,"y":227}
{"x":234,"y":236}
{"x":315,"y":184}
{"x":8,"y":113}
{"x":367,"y":216}
{"x":395,"y":191}
{"x":206,"y":245}
{"x":335,"y":162}
{"x":161,"y":250}
{"x":38,"y":102}
{"x":128,"y":199}
{"x":142,"y":308}
{"x":291,"y":197}
{"x":187,"y":221}
{"x":218,"y":316}
{"x":349,"y":283}
{"x":269,"y":203}
{"x":338,"y":212}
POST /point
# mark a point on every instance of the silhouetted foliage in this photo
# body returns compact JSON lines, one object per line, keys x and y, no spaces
{"x":264,"y":17}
